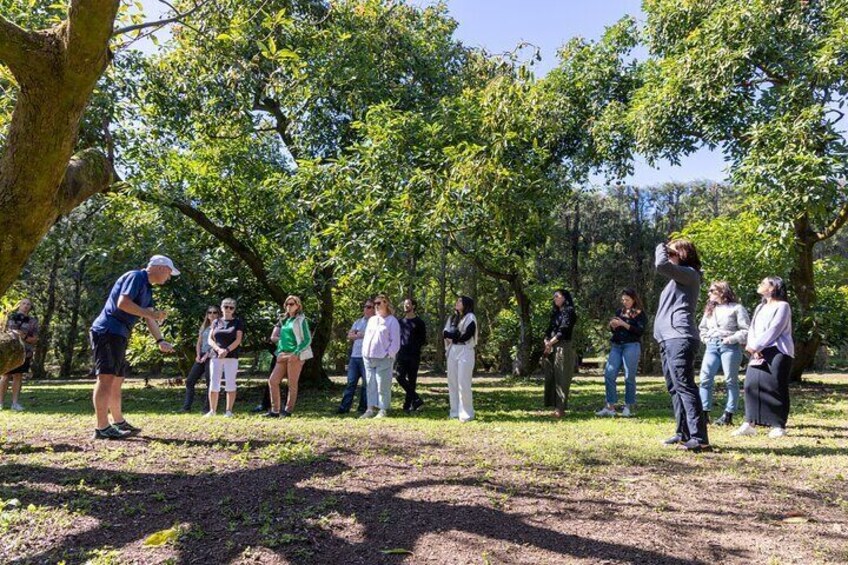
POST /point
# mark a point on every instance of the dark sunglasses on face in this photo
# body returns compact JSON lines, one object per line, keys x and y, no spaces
{"x":214,"y":312}
{"x":377,"y":303}
{"x":291,"y":303}
{"x":229,"y":307}
{"x":369,"y":305}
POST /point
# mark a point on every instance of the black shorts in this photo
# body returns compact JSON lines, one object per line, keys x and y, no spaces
{"x":22,"y":369}
{"x":110,"y":354}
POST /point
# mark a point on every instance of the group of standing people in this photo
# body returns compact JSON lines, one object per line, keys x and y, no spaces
{"x":383,"y":346}
{"x":726,"y":330}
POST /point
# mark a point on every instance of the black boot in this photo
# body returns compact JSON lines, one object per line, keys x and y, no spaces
{"x":725,"y":420}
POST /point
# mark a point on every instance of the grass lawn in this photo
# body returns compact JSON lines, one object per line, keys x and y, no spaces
{"x":514,"y":486}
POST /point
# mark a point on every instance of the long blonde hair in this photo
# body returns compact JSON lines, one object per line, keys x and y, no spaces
{"x":297,"y":301}
{"x":206,"y":323}
{"x":388,"y":302}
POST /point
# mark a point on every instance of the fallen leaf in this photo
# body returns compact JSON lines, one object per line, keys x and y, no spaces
{"x":396,"y":551}
{"x":162,"y":537}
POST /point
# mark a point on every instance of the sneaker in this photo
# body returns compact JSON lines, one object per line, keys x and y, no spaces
{"x":381,"y":414}
{"x":270,"y":414}
{"x":258,"y":409}
{"x":228,"y":414}
{"x":367,"y":414}
{"x":466,"y":419}
{"x":127,"y":427}
{"x":606,"y":411}
{"x":209,"y":414}
{"x":626,"y":412}
{"x":110,"y":432}
{"x":417,"y":405}
{"x":745,"y":429}
{"x":673,"y":440}
{"x":341,"y":411}
{"x":777,"y":432}
{"x":285,"y":414}
{"x":694,"y":446}
{"x":17,"y":407}
{"x":725,"y":420}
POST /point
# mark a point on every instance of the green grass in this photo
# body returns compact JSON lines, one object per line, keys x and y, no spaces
{"x":513,"y":452}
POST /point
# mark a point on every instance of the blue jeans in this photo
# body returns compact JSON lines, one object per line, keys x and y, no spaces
{"x":355,"y":371}
{"x":626,"y":354}
{"x":378,"y":372}
{"x":726,"y":357}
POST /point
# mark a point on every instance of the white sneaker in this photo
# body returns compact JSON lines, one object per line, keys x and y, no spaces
{"x":17,"y":407}
{"x":606,"y":411}
{"x":367,"y":414}
{"x":209,"y":414}
{"x":626,"y":412}
{"x":466,"y":419}
{"x":228,"y":414}
{"x":381,"y":414}
{"x":777,"y":432}
{"x":745,"y":429}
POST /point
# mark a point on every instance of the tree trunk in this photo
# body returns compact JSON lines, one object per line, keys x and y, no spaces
{"x":73,"y":326}
{"x":440,"y":363}
{"x":314,"y":375}
{"x":575,"y":248}
{"x":56,"y":70}
{"x":43,"y":345}
{"x":803,"y":286}
{"x":521,"y":365}
{"x":12,"y":352}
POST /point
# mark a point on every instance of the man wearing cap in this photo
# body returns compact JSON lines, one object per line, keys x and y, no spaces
{"x":131,"y":298}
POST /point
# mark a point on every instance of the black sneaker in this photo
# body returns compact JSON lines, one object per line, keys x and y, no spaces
{"x":673,"y":440}
{"x":270,"y":414}
{"x":417,"y":404}
{"x":110,"y":432}
{"x":127,"y":427}
{"x":694,"y":446}
{"x":725,"y":420}
{"x":285,"y":414}
{"x":341,"y":411}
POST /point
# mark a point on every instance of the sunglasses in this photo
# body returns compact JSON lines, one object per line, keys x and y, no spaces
{"x":713,"y":290}
{"x":228,"y":307}
{"x":378,"y":302}
{"x":291,"y":303}
{"x":214,"y":312}
{"x":369,"y":305}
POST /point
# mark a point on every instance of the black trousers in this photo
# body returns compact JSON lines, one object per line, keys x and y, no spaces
{"x":197,"y":371}
{"x":678,"y":362}
{"x":407,"y":377}
{"x":767,"y":389}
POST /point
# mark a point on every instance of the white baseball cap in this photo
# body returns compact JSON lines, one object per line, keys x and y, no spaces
{"x":164,"y":262}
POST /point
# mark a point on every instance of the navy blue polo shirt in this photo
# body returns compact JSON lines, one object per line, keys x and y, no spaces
{"x":112,"y":319}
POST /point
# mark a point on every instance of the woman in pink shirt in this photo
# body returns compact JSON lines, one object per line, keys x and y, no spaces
{"x":379,"y":349}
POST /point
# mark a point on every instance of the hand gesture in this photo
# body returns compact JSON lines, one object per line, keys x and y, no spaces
{"x":166,"y":347}
{"x":222,"y":352}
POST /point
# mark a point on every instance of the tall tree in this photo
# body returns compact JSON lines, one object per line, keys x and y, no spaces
{"x":765,"y":81}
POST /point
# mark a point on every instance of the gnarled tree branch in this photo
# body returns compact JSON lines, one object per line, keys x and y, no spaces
{"x":18,"y":47}
{"x":89,"y":172}
{"x":835,"y":225}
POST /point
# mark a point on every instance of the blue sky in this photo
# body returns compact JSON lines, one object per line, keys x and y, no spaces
{"x":499,"y":25}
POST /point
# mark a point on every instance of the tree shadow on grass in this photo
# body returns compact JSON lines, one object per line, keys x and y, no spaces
{"x":271,"y":507}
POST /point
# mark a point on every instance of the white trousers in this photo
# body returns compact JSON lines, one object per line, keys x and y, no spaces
{"x":460,"y":370}
{"x":226,"y":367}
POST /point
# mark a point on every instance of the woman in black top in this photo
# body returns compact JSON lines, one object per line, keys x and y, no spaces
{"x":225,"y":339}
{"x":23,"y":324}
{"x":558,"y":355}
{"x":627,"y":328}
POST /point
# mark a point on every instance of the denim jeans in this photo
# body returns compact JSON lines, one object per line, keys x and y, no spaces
{"x":355,"y":371}
{"x":379,"y":376}
{"x":725,"y":357}
{"x":626,"y":354}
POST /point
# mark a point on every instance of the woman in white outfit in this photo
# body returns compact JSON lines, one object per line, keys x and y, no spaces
{"x":225,"y":339}
{"x":460,"y":335}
